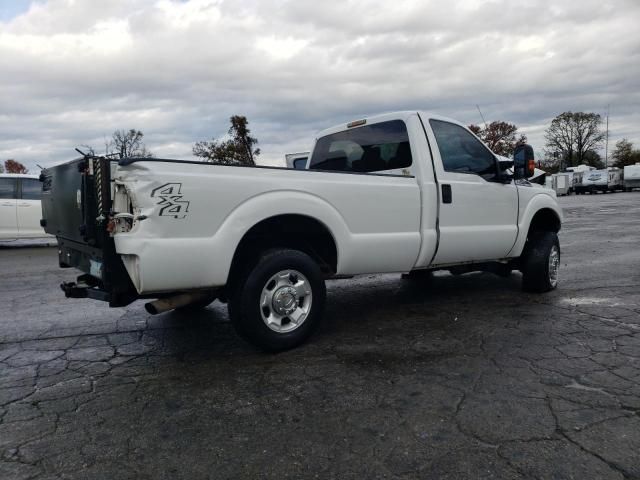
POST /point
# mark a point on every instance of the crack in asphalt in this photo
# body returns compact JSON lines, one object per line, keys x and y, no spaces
{"x":460,"y":377}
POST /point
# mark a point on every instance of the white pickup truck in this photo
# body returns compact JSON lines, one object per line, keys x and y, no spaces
{"x":400,"y":192}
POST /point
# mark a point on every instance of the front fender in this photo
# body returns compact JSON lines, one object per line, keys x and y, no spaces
{"x":539,"y":201}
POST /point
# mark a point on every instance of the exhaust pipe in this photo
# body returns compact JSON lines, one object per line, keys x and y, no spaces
{"x":164,"y":304}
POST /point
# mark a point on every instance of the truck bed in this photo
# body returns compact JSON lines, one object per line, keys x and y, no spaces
{"x":190,"y":217}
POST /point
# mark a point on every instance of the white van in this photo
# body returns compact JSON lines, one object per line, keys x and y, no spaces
{"x":20,"y":209}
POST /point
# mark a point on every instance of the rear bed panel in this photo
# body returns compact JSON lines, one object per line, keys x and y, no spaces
{"x":62,"y":200}
{"x":76,"y":207}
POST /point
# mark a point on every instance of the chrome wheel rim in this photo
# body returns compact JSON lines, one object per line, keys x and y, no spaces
{"x":285,"y":301}
{"x":554,"y":264}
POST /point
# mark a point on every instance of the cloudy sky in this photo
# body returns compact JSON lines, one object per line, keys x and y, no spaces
{"x":73,"y":71}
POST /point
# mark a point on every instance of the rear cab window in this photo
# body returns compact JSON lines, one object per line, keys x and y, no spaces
{"x":370,"y":148}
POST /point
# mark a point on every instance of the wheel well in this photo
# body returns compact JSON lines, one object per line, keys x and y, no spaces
{"x":545,"y":220}
{"x":297,"y":232}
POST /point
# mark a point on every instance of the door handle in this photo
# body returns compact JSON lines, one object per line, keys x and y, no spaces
{"x":7,"y":204}
{"x":24,"y":205}
{"x":446,"y":193}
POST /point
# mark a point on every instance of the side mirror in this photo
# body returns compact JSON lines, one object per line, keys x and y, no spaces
{"x":505,"y":164}
{"x":523,"y":161}
{"x":504,"y":175}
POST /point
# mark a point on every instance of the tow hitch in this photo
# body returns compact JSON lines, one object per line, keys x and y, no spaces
{"x":87,"y":287}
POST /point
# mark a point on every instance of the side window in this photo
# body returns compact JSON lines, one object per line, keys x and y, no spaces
{"x":371,"y":148}
{"x":8,"y":188}
{"x":31,"y":189}
{"x":461,"y":152}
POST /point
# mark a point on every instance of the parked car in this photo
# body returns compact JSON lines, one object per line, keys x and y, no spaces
{"x":631,"y":177}
{"x":20,"y":210}
{"x":400,"y":192}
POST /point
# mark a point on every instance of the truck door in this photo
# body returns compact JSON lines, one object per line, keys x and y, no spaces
{"x":29,"y":209}
{"x":8,"y":216}
{"x":478,"y":215}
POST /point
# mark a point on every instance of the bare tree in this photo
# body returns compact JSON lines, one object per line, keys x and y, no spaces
{"x":127,"y":143}
{"x":238,"y":150}
{"x":572,"y":135}
{"x":500,"y":137}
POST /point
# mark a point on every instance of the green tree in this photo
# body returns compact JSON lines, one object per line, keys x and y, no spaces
{"x":12,"y":166}
{"x":593,"y":159}
{"x":571,"y":135}
{"x":500,"y":137}
{"x":237,"y":150}
{"x":127,"y":143}
{"x":624,"y":154}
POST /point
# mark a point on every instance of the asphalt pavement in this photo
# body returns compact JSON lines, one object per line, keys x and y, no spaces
{"x":462,"y":377}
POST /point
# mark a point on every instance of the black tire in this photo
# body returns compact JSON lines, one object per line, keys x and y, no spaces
{"x":418,"y":276}
{"x":536,"y":274}
{"x":246,"y":312}
{"x":503,"y":270}
{"x":197,"y":306}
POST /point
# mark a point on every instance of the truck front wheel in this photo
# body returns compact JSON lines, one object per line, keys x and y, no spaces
{"x":278,"y":303}
{"x":541,"y":262}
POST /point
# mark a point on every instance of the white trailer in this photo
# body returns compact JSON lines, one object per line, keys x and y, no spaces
{"x":575,"y":179}
{"x":605,"y":180}
{"x":631,"y":177}
{"x":615,"y":182}
{"x":561,"y":183}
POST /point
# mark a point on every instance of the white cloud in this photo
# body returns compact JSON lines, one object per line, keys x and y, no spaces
{"x":105,"y":38}
{"x":74,"y":71}
{"x":280,"y":48}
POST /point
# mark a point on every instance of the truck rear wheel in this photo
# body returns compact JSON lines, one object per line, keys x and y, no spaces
{"x":541,"y":262}
{"x":279,"y":302}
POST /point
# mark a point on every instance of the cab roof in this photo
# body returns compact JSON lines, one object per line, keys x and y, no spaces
{"x":385,"y":117}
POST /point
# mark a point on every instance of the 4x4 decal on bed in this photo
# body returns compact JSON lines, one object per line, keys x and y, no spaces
{"x":170,"y":200}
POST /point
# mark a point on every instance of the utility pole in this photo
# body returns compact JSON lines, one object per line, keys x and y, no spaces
{"x":481,"y":116}
{"x":606,"y":143}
